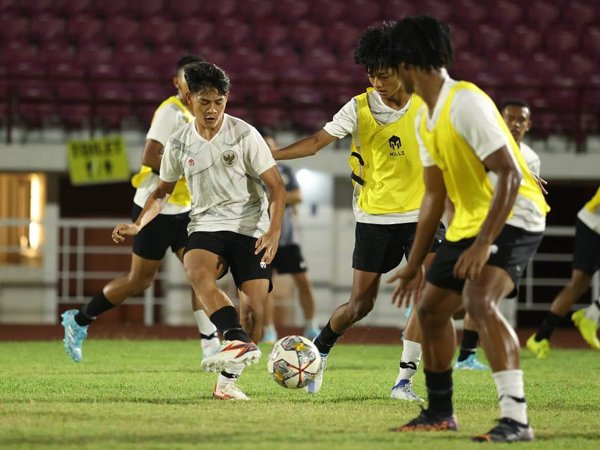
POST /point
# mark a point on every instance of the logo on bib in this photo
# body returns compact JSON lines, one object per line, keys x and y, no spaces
{"x":229,"y":158}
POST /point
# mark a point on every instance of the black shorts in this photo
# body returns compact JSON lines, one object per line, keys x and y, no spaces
{"x":289,"y":260}
{"x":162,"y":232}
{"x":586,"y":251}
{"x":515,"y":248}
{"x":380,"y":248}
{"x":238,"y":252}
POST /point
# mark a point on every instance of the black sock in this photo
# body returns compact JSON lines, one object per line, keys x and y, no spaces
{"x":597,"y":303}
{"x":468,"y":345}
{"x":88,"y":313}
{"x":326,"y":339}
{"x":228,"y":323}
{"x":548,"y":326}
{"x":439,"y":392}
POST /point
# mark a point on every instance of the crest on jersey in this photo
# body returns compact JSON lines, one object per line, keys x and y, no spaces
{"x":229,"y":158}
{"x":395,"y":142}
{"x":191,"y":162}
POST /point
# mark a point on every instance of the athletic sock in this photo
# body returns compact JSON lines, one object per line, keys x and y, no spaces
{"x":548,"y":325}
{"x":230,"y":375}
{"x":468,"y":345}
{"x":90,"y":312}
{"x":270,"y":329}
{"x":326,"y":339}
{"x":592,"y":312}
{"x":409,"y":362}
{"x":311,"y":324}
{"x":439,"y":392}
{"x":511,"y":395}
{"x":228,"y":323}
{"x":206,"y":328}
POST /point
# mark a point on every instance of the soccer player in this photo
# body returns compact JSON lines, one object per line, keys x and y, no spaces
{"x":225,"y":162}
{"x":586,"y":261}
{"x":517,"y":115}
{"x":289,"y":259}
{"x":495,"y":229}
{"x":149,"y":247}
{"x":388,"y":178}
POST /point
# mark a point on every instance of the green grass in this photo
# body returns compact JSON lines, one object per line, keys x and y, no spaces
{"x":152,"y":394}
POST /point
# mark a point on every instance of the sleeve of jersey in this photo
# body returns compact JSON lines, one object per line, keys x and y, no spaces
{"x":170,"y":166}
{"x":344,"y":121}
{"x":257,"y":153}
{"x":474,"y":117}
{"x":163,"y":125}
{"x":426,"y":159}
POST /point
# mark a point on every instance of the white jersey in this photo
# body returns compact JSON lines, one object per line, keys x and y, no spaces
{"x":474,"y":119}
{"x":531,"y":158}
{"x":345,"y":122}
{"x":223,"y":176}
{"x":167,"y":119}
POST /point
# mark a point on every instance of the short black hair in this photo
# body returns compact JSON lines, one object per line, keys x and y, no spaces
{"x":372,"y":50}
{"x":206,"y":75}
{"x":187,"y":59}
{"x":421,"y":41}
{"x":514,"y":102}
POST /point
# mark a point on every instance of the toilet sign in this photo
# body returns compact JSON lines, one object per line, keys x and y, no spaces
{"x":102,"y":160}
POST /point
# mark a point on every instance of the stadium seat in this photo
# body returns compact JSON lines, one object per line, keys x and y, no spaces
{"x":73,"y":92}
{"x":342,"y":37}
{"x":120,"y":30}
{"x":305,"y":34}
{"x":561,"y":41}
{"x":310,"y":119}
{"x":232,"y":32}
{"x":255,"y":10}
{"x":95,"y":52}
{"x":143,"y":9}
{"x":361,"y":13}
{"x":579,"y":67}
{"x":219,"y":10}
{"x":489,"y":39}
{"x":440,"y":9}
{"x":270,"y":32}
{"x":291,"y":11}
{"x":114,"y":103}
{"x":524,"y":40}
{"x":540,"y":14}
{"x":13,"y":29}
{"x":35,"y":102}
{"x":590,"y":41}
{"x":506,"y":14}
{"x":181,"y":11}
{"x":331,"y":12}
{"x":85,"y":29}
{"x":70,"y":9}
{"x":104,"y":71}
{"x":469,"y":12}
{"x":193,"y":32}
{"x":112,"y":8}
{"x":580,"y":13}
{"x":159,"y":30}
{"x":280,"y":56}
{"x":34,"y":8}
{"x":241,"y":57}
{"x":47,"y":28}
{"x":270,"y":117}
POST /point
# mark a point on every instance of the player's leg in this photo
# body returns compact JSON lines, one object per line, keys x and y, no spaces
{"x":139,"y":278}
{"x":252,"y":306}
{"x":270,"y":331}
{"x":307,"y":303}
{"x":467,"y":356}
{"x":209,"y":336}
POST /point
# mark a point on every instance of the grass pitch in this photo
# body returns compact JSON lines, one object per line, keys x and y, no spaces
{"x":153,"y":395}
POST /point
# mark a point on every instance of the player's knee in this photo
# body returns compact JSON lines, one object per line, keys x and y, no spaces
{"x":198,"y":276}
{"x":481,"y":308}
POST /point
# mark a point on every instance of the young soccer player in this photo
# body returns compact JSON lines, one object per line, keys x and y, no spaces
{"x":233,"y":224}
{"x":495,"y":229}
{"x":149,"y":246}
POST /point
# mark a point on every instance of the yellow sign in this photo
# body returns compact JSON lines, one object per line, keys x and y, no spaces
{"x":102,"y":160}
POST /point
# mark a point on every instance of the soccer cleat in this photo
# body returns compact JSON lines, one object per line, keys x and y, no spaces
{"x":427,"y":421}
{"x":74,"y":335}
{"x":231,"y":353}
{"x":470,"y":363}
{"x":229,"y":391}
{"x":587,"y":328}
{"x":311,"y":332}
{"x":269,"y":337}
{"x":404,"y":391}
{"x":507,"y":430}
{"x":538,"y":348}
{"x":315,"y":385}
{"x":210,"y":344}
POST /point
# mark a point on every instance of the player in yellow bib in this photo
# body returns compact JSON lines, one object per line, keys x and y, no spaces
{"x":388,"y":178}
{"x":586,"y":262}
{"x":169,"y":230}
{"x":497,"y":226}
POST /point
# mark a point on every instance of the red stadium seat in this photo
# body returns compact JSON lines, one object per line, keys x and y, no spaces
{"x":272,"y":118}
{"x":524,"y":40}
{"x":147,"y":8}
{"x":85,"y":29}
{"x":33,"y":8}
{"x":579,"y":67}
{"x":73,"y":92}
{"x":291,"y":11}
{"x":159,"y":31}
{"x":13,"y":29}
{"x":47,"y":28}
{"x":305,"y":34}
{"x":590,"y":41}
{"x":112,"y":8}
{"x":194,"y":32}
{"x":104,"y":71}
{"x":121,"y":30}
{"x":220,"y":10}
{"x":255,"y":10}
{"x":506,"y":14}
{"x":469,"y":12}
{"x":561,"y":41}
{"x":70,"y":9}
{"x":580,"y":13}
{"x":489,"y":39}
{"x":362,"y":13}
{"x":317,"y":59}
{"x":74,"y":116}
{"x":232,"y":32}
{"x":270,"y":32}
{"x":541,"y":13}
{"x":331,"y":12}
{"x":311,"y":119}
{"x":440,"y":9}
{"x":342,"y":37}
{"x":94,"y":53}
{"x":182,"y":10}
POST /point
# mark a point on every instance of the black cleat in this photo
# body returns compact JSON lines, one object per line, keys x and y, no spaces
{"x":426,"y":421}
{"x":507,"y":430}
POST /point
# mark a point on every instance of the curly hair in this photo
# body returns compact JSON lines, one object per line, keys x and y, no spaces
{"x":421,"y":41}
{"x":372,"y":50}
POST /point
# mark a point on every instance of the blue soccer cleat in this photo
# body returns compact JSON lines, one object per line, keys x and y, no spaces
{"x":470,"y":363}
{"x":74,"y":335}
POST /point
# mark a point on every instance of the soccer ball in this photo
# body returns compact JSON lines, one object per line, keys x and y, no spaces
{"x":294,"y":362}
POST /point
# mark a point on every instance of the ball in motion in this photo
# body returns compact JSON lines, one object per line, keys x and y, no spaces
{"x":294,"y":362}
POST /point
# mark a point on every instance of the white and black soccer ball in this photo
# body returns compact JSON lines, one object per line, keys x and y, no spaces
{"x":293,"y":362}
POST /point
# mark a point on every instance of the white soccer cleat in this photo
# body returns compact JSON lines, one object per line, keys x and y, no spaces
{"x":229,"y":391}
{"x":315,"y":385}
{"x":210,"y":345}
{"x":231,"y":353}
{"x":404,"y":391}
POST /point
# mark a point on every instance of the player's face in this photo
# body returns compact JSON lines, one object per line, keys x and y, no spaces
{"x":518,"y":120}
{"x":405,"y":76}
{"x":385,"y":81}
{"x":208,"y":106}
{"x":181,"y":85}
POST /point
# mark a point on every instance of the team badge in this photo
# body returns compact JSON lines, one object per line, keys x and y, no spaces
{"x":229,"y":158}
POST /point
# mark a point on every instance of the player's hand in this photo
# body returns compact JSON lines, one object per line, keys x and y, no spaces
{"x":541,"y":183}
{"x":410,"y":281}
{"x":471,"y":262}
{"x":269,"y":243}
{"x":122,"y":230}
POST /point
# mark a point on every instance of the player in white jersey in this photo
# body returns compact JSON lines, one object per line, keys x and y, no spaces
{"x":233,"y":225}
{"x":150,"y":246}
{"x":517,"y":115}
{"x":586,"y":262}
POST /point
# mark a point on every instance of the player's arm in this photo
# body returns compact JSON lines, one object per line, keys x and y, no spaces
{"x":270,"y":240}
{"x":152,"y":155}
{"x":501,"y":162}
{"x":305,"y":147}
{"x":430,"y":213}
{"x":152,"y":208}
{"x":293,"y":197}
